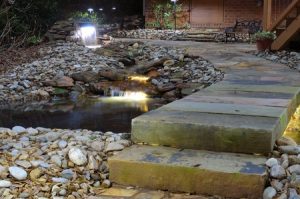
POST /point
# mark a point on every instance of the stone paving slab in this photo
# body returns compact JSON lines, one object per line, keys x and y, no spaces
{"x":215,"y":132}
{"x":225,"y":108}
{"x":249,"y":94}
{"x":288,"y":79}
{"x":192,"y":171}
{"x":290,"y":104}
{"x":255,"y":88}
{"x":239,"y":100}
{"x":263,"y":82}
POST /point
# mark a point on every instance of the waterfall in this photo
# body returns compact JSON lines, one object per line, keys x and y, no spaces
{"x":132,"y":95}
{"x":88,"y":35}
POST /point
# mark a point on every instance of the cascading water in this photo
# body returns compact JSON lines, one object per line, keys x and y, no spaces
{"x":131,"y":95}
{"x":130,"y":92}
{"x":88,"y":35}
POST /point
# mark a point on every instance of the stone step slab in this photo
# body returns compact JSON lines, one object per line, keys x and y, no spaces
{"x":240,"y":100}
{"x":254,"y":88}
{"x":260,"y":91}
{"x":248,"y":94}
{"x":225,"y":108}
{"x":207,"y":131}
{"x":223,"y":117}
{"x":191,"y":171}
{"x":290,"y":105}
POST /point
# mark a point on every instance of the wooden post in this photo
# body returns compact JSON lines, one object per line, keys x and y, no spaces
{"x":267,"y":15}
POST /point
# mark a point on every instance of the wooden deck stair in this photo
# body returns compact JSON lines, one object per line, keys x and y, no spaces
{"x":287,"y":26}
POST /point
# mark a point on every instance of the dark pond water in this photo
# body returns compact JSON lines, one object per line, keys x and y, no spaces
{"x":104,"y":114}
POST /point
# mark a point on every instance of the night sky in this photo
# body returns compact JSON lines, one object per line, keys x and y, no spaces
{"x":123,"y":7}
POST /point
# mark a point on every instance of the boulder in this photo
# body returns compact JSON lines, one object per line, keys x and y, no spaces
{"x":86,"y":76}
{"x":61,"y":82}
{"x":113,"y":75}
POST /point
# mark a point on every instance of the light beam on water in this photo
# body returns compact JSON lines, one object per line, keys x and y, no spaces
{"x":128,"y":95}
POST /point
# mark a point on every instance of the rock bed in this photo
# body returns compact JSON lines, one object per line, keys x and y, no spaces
{"x":71,"y":66}
{"x":291,"y":59}
{"x":148,"y":34}
{"x":284,"y":165}
{"x":26,"y":81}
{"x":171,"y":71}
{"x":55,"y":163}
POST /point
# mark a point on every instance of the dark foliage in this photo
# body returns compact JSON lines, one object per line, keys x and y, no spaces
{"x":22,"y":20}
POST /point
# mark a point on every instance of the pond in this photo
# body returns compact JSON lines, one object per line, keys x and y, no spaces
{"x":97,"y":114}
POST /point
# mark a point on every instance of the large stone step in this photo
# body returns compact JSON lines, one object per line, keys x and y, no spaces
{"x":191,"y":171}
{"x":207,"y":131}
{"x":227,"y":118}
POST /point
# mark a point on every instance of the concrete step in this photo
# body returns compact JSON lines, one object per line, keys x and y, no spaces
{"x":191,"y":171}
{"x":226,"y":118}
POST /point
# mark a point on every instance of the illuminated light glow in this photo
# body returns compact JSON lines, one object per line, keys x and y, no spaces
{"x":133,"y":99}
{"x":139,"y":78}
{"x":129,"y":95}
{"x":113,"y":8}
{"x":292,"y":130}
{"x":88,"y":35}
{"x":94,"y":46}
{"x":88,"y":31}
{"x":137,"y":96}
{"x":101,"y":9}
{"x":91,"y":10}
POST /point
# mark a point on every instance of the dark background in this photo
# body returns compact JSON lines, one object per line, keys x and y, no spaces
{"x":123,"y":7}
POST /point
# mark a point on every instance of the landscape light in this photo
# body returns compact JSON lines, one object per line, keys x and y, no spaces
{"x":143,"y":79}
{"x":91,"y":10}
{"x":174,"y":1}
{"x":88,"y":35}
{"x":134,"y":96}
{"x":101,"y":9}
{"x":114,"y":8}
{"x":88,"y":31}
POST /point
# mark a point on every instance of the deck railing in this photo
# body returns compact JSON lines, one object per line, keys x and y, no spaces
{"x":276,"y":12}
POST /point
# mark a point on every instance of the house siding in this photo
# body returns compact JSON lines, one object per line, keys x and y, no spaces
{"x":243,"y":10}
{"x":232,"y":10}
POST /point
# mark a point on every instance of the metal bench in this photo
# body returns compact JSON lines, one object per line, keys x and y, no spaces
{"x":249,"y":27}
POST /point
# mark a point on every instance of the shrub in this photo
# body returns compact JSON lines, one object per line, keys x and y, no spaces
{"x":164,"y":15}
{"x":33,"y":40}
{"x":263,"y":35}
{"x":93,"y":17}
{"x":20,"y":20}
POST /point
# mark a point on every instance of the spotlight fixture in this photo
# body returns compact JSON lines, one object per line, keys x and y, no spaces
{"x":174,"y":1}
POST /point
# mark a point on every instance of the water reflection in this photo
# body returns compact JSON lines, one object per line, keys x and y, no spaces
{"x":293,"y":129}
{"x":105,"y":114}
